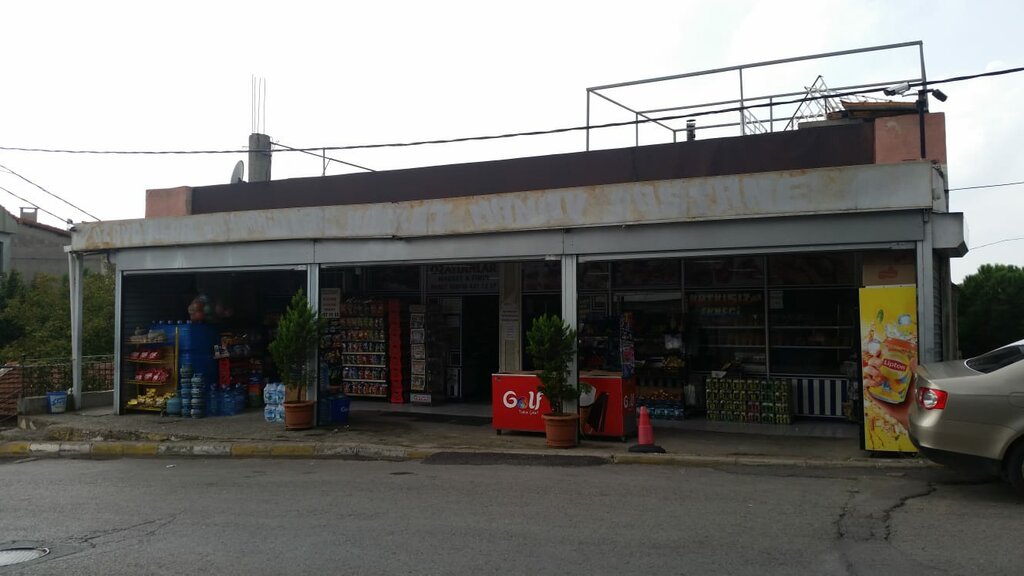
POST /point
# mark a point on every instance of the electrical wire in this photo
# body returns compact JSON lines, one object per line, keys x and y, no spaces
{"x":9,"y":171}
{"x":36,"y":206}
{"x":529,"y":133}
{"x":1018,"y":183}
{"x":997,"y":242}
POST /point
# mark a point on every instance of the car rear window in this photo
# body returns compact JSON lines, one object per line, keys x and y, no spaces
{"x":996,"y":359}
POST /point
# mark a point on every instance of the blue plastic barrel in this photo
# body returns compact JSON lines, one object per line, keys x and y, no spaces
{"x":57,"y":402}
{"x":339,"y":409}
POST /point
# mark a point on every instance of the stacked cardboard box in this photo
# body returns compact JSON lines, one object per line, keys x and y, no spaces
{"x":395,"y":359}
{"x":753,"y":400}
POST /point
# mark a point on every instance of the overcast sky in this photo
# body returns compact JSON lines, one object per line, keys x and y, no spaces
{"x":178,"y":76}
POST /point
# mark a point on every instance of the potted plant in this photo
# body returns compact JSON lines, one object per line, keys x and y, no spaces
{"x":298,"y":334}
{"x":551,"y":344}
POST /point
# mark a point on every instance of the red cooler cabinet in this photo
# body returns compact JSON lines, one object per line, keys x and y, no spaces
{"x":516,"y":404}
{"x":610,"y":408}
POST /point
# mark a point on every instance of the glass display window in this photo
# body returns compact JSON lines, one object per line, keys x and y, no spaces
{"x":725,"y":271}
{"x":812,"y":330}
{"x":394,"y":278}
{"x":594,"y":275}
{"x":832,"y":269}
{"x":727,"y":330}
{"x":543,"y":276}
{"x":653,"y":273}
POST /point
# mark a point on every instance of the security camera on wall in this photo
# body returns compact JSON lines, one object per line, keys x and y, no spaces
{"x":897,"y":90}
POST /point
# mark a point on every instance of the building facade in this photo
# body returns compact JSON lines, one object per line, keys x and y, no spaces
{"x":731,"y":258}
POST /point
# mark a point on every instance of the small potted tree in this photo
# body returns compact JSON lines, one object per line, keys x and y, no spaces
{"x":551,"y":344}
{"x":298,"y":334}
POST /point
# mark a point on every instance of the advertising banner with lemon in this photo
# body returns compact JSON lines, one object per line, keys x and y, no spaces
{"x":888,"y":331}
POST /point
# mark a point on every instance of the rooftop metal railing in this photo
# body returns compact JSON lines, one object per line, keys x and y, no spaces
{"x":739,"y":111}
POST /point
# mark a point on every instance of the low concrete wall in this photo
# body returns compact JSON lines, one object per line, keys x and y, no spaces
{"x":40,"y":405}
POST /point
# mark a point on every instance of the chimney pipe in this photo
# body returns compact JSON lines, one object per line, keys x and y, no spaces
{"x":259,"y":158}
{"x":691,"y":130}
{"x":30,"y":215}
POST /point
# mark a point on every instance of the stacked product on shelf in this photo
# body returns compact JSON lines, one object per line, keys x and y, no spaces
{"x":395,"y":351}
{"x":662,"y":403}
{"x":153,"y":365}
{"x":239,"y":376}
{"x":356,"y":351}
{"x":198,"y":393}
{"x":752,"y":400}
{"x":185,"y":390}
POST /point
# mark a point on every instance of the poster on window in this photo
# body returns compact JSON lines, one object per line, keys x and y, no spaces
{"x":888,"y":328}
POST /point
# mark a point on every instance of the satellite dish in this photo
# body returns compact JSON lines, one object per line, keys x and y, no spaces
{"x":236,"y":174}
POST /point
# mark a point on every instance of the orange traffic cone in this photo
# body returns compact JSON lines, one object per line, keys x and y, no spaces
{"x":645,"y":435}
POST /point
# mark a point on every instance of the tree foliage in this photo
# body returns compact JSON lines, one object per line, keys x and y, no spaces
{"x":991,"y":308}
{"x":35,"y":319}
{"x":298,"y":334}
{"x":551,"y":343}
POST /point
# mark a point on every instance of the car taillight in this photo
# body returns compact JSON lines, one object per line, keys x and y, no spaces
{"x":931,"y":399}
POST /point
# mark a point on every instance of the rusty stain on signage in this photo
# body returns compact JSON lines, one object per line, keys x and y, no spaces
{"x":817,"y":191}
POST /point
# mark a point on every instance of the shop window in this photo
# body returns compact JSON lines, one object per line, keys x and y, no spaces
{"x":394,"y":278}
{"x":726,"y":330}
{"x":835,"y":269}
{"x":542,"y":276}
{"x":812,"y":330}
{"x":594,"y":276}
{"x":656,"y":273}
{"x":725,"y":271}
{"x":477,"y":278}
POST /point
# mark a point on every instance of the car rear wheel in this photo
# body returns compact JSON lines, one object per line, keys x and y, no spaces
{"x":1015,"y":468}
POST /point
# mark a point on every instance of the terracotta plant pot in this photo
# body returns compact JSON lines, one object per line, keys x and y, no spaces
{"x":561,"y":430}
{"x":299,"y":415}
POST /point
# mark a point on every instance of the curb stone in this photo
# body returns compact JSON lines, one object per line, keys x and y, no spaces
{"x":125,"y":449}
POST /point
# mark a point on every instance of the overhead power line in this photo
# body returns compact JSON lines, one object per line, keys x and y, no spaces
{"x":1018,"y":183}
{"x":530,"y":133}
{"x":998,"y":242}
{"x":9,"y":171}
{"x":36,"y":206}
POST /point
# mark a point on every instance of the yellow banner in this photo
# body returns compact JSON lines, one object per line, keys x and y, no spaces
{"x":888,"y":332}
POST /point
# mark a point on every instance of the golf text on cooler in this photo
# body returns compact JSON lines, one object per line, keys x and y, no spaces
{"x":527,"y":406}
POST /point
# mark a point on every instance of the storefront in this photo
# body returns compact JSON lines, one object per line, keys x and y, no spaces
{"x":736,"y":307}
{"x":206,"y":330}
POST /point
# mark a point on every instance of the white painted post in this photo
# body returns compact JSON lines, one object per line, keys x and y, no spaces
{"x":569,"y":309}
{"x":75,"y":281}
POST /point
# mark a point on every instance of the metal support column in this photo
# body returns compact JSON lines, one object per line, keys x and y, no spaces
{"x":118,"y":321}
{"x":313,"y":297}
{"x":588,"y":122}
{"x":743,"y":108}
{"x":926,"y":295}
{"x":75,"y":282}
{"x":569,"y":310}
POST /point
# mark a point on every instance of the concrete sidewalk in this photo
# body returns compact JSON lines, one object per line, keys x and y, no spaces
{"x":381,"y":434}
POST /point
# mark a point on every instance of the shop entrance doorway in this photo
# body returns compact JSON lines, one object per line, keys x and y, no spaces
{"x":480,"y":346}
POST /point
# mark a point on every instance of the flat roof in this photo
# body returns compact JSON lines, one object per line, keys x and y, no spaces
{"x":820,"y":147}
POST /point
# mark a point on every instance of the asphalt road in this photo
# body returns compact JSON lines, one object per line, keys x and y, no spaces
{"x":349,"y":517}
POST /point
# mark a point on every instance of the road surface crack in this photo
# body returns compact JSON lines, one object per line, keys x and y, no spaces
{"x":153,"y":525}
{"x":887,"y":514}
